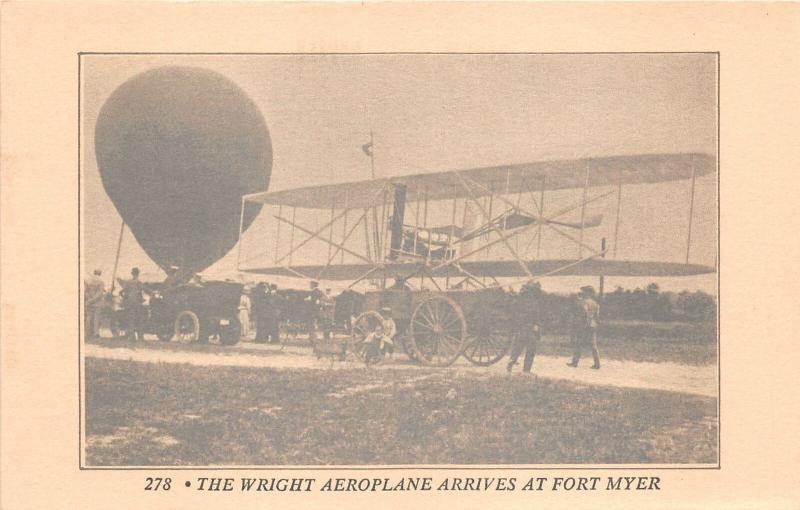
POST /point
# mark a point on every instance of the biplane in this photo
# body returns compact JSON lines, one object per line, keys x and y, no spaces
{"x":383,"y":229}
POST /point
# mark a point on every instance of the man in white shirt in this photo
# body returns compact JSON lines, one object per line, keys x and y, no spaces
{"x":94,"y":293}
{"x":386,"y":332}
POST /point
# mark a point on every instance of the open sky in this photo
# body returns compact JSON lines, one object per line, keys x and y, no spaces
{"x":445,"y":112}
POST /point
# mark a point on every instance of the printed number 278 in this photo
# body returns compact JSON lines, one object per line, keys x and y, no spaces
{"x":154,"y":484}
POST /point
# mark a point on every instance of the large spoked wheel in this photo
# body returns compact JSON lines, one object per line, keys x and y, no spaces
{"x":438,"y":331}
{"x":487,"y":348}
{"x":187,"y":327}
{"x":364,"y":340}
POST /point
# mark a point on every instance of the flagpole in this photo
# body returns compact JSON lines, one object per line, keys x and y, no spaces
{"x":367,"y":148}
{"x":372,"y":155}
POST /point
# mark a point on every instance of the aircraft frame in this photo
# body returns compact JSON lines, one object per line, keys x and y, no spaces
{"x":399,"y":248}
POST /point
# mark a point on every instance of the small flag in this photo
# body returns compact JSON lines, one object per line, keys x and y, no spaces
{"x":367,"y":148}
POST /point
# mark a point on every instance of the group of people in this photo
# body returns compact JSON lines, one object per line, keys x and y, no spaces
{"x":261,"y":308}
{"x":131,"y":304}
{"x":264,"y":309}
{"x":528,"y":318}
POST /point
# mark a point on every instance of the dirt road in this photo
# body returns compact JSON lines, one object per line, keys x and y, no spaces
{"x":675,"y":377}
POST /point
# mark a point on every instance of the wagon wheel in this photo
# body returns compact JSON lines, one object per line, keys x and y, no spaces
{"x":187,"y":327}
{"x":438,"y":331}
{"x":366,"y":351}
{"x":487,"y":348}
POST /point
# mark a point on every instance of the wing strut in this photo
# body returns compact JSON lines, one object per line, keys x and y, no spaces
{"x":691,"y":214}
{"x":340,"y":246}
{"x":277,"y":235}
{"x":424,"y":226}
{"x":291,"y":240}
{"x":541,"y":214}
{"x":317,"y":235}
{"x":330,"y":230}
{"x":366,"y":235}
{"x":311,"y":234}
{"x":558,"y":214}
{"x":241,"y":228}
{"x":583,"y":211}
{"x":616,"y":220}
{"x":344,"y":228}
{"x":450,"y":237}
{"x":487,"y":217}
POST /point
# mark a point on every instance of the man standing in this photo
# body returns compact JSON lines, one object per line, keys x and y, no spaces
{"x":527,"y":323}
{"x":245,"y":307}
{"x":586,"y":326}
{"x":328,"y":314}
{"x":314,"y":301}
{"x":132,"y":304}
{"x":94,"y":292}
{"x":260,"y":305}
{"x":275,"y":309}
{"x":176,"y":276}
{"x":400,"y":284}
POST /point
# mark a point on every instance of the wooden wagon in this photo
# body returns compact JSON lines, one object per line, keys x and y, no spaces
{"x":436,"y":327}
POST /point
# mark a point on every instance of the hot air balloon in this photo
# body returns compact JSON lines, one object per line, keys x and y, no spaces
{"x":177,"y":147}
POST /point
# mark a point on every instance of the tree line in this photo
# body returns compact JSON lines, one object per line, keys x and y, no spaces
{"x":651,"y":304}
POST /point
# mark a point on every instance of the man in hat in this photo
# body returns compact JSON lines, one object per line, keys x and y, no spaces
{"x":245,"y":307}
{"x":383,"y":335}
{"x":400,"y":284}
{"x":527,"y":324}
{"x":328,"y":306}
{"x":260,"y":308}
{"x":586,"y":327}
{"x":94,"y":293}
{"x":176,"y":276}
{"x":133,"y":304}
{"x":314,"y":301}
{"x":275,"y":306}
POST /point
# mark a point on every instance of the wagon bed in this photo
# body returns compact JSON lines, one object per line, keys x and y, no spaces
{"x":436,"y":327}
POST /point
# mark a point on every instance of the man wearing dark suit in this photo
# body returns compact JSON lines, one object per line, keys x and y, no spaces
{"x":133,"y":305}
{"x":527,"y":326}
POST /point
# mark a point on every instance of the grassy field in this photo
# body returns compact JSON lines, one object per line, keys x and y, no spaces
{"x":161,"y":414}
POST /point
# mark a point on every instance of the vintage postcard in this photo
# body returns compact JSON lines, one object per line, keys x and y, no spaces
{"x":362,"y":268}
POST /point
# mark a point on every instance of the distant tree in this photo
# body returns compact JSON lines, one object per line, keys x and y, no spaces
{"x":696,"y":306}
{"x":647,"y":304}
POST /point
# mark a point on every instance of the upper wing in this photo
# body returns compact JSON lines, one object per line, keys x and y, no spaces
{"x":498,"y":269}
{"x":536,"y":176}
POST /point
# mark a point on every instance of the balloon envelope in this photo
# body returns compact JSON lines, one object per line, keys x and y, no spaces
{"x":177,"y":147}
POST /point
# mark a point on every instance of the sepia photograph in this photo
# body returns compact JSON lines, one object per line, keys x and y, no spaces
{"x":399,"y":259}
